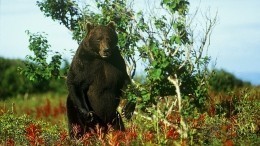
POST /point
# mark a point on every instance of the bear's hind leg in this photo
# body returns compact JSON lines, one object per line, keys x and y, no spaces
{"x":75,"y":124}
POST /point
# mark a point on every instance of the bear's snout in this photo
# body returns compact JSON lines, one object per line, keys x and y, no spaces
{"x":106,"y":52}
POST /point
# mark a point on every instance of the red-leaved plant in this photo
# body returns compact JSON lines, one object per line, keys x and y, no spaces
{"x":33,"y":135}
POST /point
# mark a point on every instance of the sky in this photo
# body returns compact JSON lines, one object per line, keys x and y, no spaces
{"x":235,"y":41}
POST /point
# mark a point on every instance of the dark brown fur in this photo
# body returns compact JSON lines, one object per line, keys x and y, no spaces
{"x":95,"y":81}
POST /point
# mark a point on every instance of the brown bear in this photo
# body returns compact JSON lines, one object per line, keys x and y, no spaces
{"x":95,"y":81}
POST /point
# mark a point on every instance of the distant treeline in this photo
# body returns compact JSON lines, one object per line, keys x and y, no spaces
{"x":12,"y":83}
{"x":223,"y":81}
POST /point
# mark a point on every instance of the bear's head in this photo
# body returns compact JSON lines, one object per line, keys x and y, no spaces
{"x":102,"y":39}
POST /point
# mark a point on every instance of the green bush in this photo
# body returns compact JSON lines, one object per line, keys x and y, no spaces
{"x":23,"y":130}
{"x":13,"y":83}
{"x":238,"y":120}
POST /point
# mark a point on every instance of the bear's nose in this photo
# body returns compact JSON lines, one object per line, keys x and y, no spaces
{"x":106,"y":50}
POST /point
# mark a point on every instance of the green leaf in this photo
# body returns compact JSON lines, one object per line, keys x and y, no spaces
{"x":156,"y":74}
{"x":178,"y":40}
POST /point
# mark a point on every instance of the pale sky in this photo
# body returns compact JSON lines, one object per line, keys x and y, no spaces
{"x":235,"y":41}
{"x":236,"y":37}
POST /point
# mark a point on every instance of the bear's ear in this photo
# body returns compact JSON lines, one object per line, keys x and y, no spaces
{"x":112,"y":25}
{"x":89,"y":26}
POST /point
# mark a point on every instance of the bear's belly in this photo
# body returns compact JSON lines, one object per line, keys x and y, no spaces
{"x":104,"y":102}
{"x":104,"y":92}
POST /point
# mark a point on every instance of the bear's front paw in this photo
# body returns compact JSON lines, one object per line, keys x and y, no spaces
{"x":128,"y":110}
{"x":89,"y":116}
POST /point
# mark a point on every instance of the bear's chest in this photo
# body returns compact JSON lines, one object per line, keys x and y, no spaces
{"x":108,"y":76}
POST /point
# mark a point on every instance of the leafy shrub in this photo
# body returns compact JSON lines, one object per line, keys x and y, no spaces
{"x":238,"y":122}
{"x":23,"y":130}
{"x":37,"y":68}
{"x":13,"y":83}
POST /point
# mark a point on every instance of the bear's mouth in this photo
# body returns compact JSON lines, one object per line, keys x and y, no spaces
{"x":105,"y":54}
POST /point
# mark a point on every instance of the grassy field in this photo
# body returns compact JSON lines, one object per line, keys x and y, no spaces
{"x":231,"y":119}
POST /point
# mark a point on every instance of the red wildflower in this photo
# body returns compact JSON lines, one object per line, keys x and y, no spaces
{"x":10,"y":142}
{"x":86,"y":138}
{"x":212,"y":110}
{"x":47,"y":108}
{"x":228,"y":142}
{"x":63,"y":136}
{"x":59,"y":110}
{"x":197,"y":123}
{"x":172,"y":134}
{"x":130,"y":136}
{"x":33,"y":134}
{"x":148,"y":136}
{"x":76,"y":130}
{"x":116,"y":138}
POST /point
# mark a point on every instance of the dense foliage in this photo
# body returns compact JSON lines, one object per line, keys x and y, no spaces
{"x":13,"y":83}
{"x":37,"y":67}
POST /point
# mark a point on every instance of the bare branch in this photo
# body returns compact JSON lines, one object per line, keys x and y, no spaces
{"x":184,"y":128}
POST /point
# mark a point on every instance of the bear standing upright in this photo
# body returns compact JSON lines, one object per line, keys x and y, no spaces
{"x":95,"y":80}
